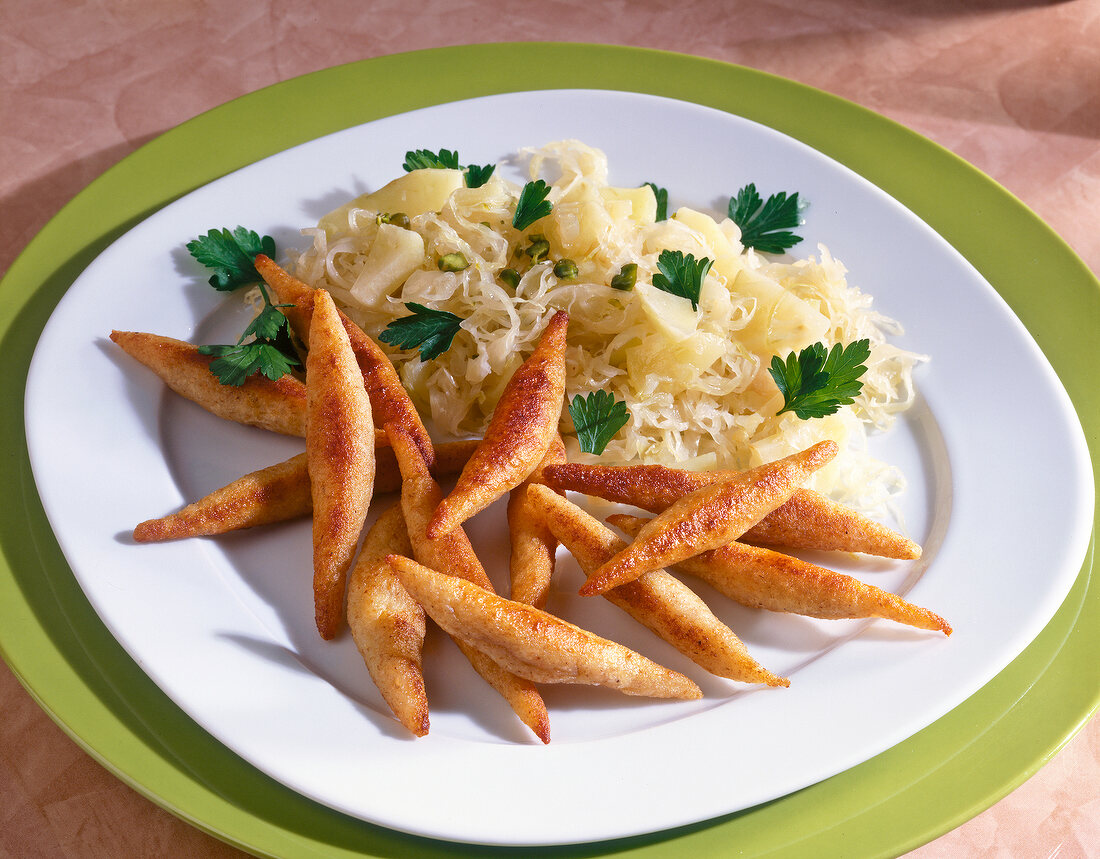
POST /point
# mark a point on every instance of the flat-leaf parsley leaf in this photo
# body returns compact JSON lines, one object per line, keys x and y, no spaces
{"x":447,"y":159}
{"x":681,"y":275}
{"x":662,"y":201}
{"x":233,"y":364}
{"x":230,"y":255}
{"x":429,"y":330}
{"x":270,"y":351}
{"x":532,"y":204}
{"x":817,"y":382}
{"x":597,"y":417}
{"x":477,"y":176}
{"x":765,"y":226}
{"x":421,"y":159}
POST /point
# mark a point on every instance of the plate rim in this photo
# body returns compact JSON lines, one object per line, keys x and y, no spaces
{"x":441,"y":55}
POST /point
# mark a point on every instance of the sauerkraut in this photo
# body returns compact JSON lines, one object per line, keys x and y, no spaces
{"x":695,"y":382}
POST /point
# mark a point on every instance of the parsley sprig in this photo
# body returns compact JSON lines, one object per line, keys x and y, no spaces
{"x":429,"y":330}
{"x":597,"y":417}
{"x":265,"y":345}
{"x":230,"y":255}
{"x":447,"y":159}
{"x":681,"y":275}
{"x":817,"y":382}
{"x":421,"y":159}
{"x":532,"y":204}
{"x":765,"y":226}
{"x":662,"y":201}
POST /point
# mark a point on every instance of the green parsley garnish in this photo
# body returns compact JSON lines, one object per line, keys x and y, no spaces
{"x":265,"y":346}
{"x":662,"y":201}
{"x":597,"y":417}
{"x":532,"y":204}
{"x":765,"y":226}
{"x":430,"y":331}
{"x":447,"y":159}
{"x":681,"y":275}
{"x":422,"y":159}
{"x":818,"y":382}
{"x":230,"y":255}
{"x":233,"y":364}
{"x":477,"y":176}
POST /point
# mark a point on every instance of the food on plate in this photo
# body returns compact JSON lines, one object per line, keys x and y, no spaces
{"x":655,"y":599}
{"x":278,"y":405}
{"x":807,"y":520}
{"x":281,"y":492}
{"x":453,"y":553}
{"x":532,"y":546}
{"x":708,"y":517}
{"x":390,"y":402}
{"x":340,"y":455}
{"x":387,"y":624}
{"x":761,"y":578}
{"x":523,"y":426}
{"x":692,"y":370}
{"x":533,"y":643}
{"x":600,"y":345}
{"x":272,"y":494}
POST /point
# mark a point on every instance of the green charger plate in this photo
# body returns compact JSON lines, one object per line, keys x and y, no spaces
{"x":925,"y":786}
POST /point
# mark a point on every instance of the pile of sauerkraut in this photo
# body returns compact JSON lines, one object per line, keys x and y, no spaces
{"x":695,"y":383}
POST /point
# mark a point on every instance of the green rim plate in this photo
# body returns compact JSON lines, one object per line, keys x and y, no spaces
{"x":936,"y":780}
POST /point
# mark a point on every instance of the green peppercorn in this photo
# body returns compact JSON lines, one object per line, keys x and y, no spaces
{"x":453,"y":262}
{"x":565,"y":269}
{"x":538,"y":249}
{"x":398,"y":219}
{"x":626,"y":278}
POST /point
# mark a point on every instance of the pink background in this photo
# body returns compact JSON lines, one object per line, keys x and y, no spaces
{"x":1012,"y":87}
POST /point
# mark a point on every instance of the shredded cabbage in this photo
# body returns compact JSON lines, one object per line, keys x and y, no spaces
{"x":695,"y":384}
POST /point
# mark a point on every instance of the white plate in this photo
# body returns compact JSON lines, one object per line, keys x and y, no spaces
{"x":225,"y":626}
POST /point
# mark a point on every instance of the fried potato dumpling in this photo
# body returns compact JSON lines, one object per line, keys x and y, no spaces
{"x":340,"y":456}
{"x":390,"y":402}
{"x":279,"y":406}
{"x":533,"y":546}
{"x":710,"y":516}
{"x":453,"y":553}
{"x":279,"y":493}
{"x":655,"y":599}
{"x":521,"y":430}
{"x":808,"y":520}
{"x":761,"y":578}
{"x":387,"y":624}
{"x":531,"y":643}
